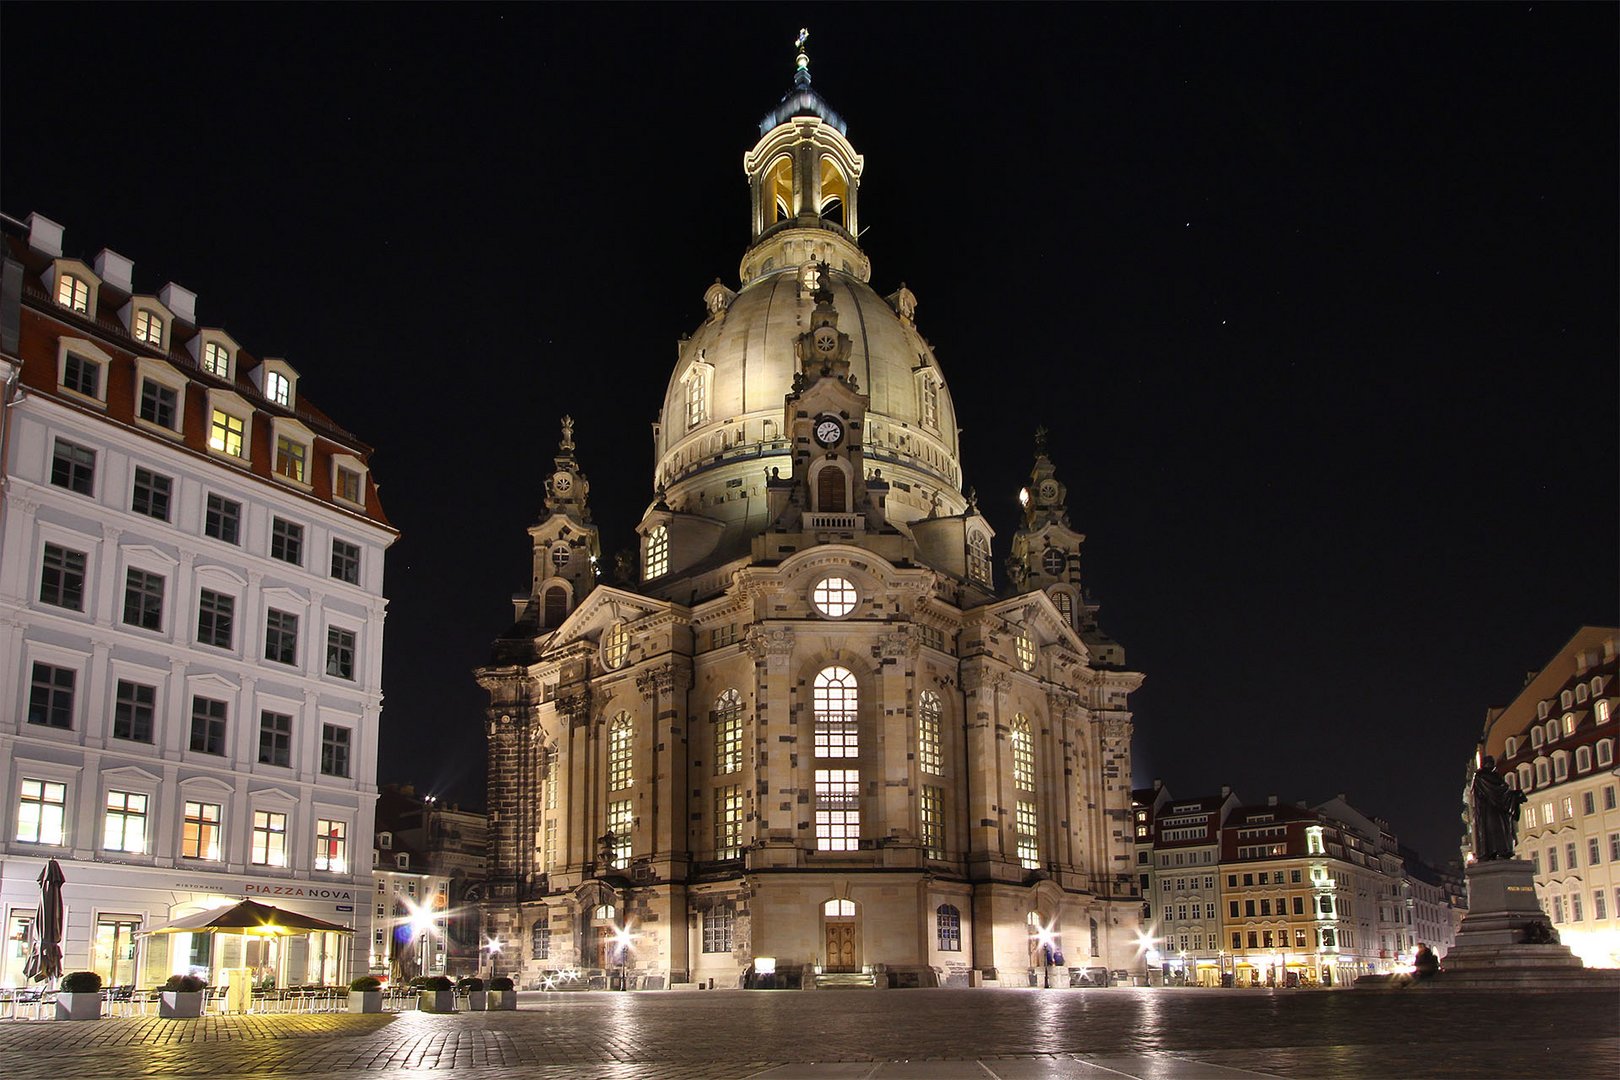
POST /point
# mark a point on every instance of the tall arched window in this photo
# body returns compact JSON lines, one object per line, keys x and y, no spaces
{"x":1065,"y":606}
{"x":1023,"y":754}
{"x":948,"y":928}
{"x":1524,"y":778}
{"x":728,"y":743}
{"x":979,"y":558}
{"x":621,"y":734}
{"x":836,"y":702}
{"x":1605,"y":758}
{"x":1602,"y":711}
{"x":697,"y":394}
{"x":658,"y":552}
{"x":776,"y":196}
{"x":831,"y":491}
{"x":1512,"y":747}
{"x":1583,"y":759}
{"x":928,"y":715}
{"x":555,"y":606}
{"x":1543,"y":777}
{"x":1561,"y":765}
{"x":1569,"y":723}
{"x":834,"y":193}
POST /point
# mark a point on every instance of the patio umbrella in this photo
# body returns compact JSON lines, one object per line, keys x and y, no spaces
{"x":250,"y":917}
{"x":45,"y":954}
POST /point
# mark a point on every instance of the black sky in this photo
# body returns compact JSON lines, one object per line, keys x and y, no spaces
{"x":1319,"y":302}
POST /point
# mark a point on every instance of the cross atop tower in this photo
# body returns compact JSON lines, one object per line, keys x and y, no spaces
{"x":801,"y":74}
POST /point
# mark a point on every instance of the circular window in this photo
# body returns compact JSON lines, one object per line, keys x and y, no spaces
{"x":834,"y":597}
{"x":615,"y":645}
{"x":1052,"y":562}
{"x":1026,"y":653}
{"x":559,"y":556}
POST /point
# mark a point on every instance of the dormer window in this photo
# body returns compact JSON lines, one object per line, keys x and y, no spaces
{"x":278,"y":388}
{"x":215,"y":353}
{"x":294,"y":444}
{"x":385,"y":840}
{"x":73,"y":293}
{"x":216,"y":359}
{"x":979,"y":559}
{"x":658,"y":552}
{"x":82,"y":369}
{"x":277,"y":381}
{"x":148,"y":328}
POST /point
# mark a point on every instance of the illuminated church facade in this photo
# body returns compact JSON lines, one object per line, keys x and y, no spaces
{"x":817,"y":742}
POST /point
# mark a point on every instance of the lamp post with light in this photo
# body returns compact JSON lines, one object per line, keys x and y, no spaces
{"x":622,"y":941}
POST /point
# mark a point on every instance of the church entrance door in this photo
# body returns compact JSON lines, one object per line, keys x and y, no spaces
{"x":841,"y":946}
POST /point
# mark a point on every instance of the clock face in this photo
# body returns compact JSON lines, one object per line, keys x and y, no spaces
{"x":826,"y":340}
{"x":562,"y":483}
{"x":828,"y":431}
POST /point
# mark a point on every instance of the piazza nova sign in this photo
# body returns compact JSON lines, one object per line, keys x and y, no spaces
{"x":289,"y":890}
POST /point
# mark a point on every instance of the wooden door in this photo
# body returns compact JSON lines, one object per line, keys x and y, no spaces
{"x":830,"y":491}
{"x":841,"y":947}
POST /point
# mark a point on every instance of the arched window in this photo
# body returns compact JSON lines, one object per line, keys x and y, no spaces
{"x":928,"y":750}
{"x":1512,"y":780}
{"x":697,"y":394}
{"x":1026,"y":651}
{"x":1023,"y":754}
{"x":836,"y":702}
{"x":1605,"y":752}
{"x":1065,"y":605}
{"x":555,"y":606}
{"x":1602,"y":710}
{"x":1565,"y":699}
{"x":1541,"y":710}
{"x":615,"y":646}
{"x":1597,"y":685}
{"x":1583,"y":759}
{"x":658,"y":552}
{"x":979,"y":558}
{"x":1580,"y":693}
{"x":73,"y":293}
{"x":834,"y":193}
{"x":1524,"y":778}
{"x":1552,"y":730}
{"x":839,"y":909}
{"x":603,"y":913}
{"x":831,"y":491}
{"x":1561,"y":765}
{"x":776,"y":196}
{"x":728,"y":743}
{"x":1512,"y":747}
{"x":1543,"y":776}
{"x":621,"y":734}
{"x":948,"y":928}
{"x":1537,"y":736}
{"x":1569,"y":723}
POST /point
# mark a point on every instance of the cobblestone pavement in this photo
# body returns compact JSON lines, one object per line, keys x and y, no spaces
{"x":1157,"y":1034}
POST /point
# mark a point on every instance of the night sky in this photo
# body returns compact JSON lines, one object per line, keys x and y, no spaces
{"x":1318,"y":301}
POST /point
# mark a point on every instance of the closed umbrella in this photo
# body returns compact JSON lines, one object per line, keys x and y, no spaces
{"x":45,"y":955}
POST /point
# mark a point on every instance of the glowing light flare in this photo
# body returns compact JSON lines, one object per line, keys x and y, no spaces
{"x":493,"y":945}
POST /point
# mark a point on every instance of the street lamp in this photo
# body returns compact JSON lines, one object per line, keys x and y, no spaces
{"x":1044,"y":939}
{"x":1144,"y":946}
{"x":622,"y":940}
{"x":493,"y":947}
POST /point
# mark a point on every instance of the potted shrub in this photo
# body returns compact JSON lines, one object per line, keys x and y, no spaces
{"x":473,"y":987}
{"x":181,"y":998}
{"x":434,"y":993}
{"x":365,"y":994}
{"x":79,"y":997}
{"x":502,"y":993}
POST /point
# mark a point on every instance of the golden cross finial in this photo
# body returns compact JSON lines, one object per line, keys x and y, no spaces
{"x":802,"y":74}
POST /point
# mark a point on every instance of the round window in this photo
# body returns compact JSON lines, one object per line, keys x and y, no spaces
{"x":559,"y":556}
{"x":615,"y":645}
{"x":834,"y":597}
{"x":1026,"y":653}
{"x":1052,"y":562}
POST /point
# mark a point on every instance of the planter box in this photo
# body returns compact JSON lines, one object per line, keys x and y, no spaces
{"x":477,"y":1000}
{"x":502,"y":1000}
{"x":180,"y":1004}
{"x":436,"y":1001}
{"x":365,"y":1001}
{"x":78,"y":1006}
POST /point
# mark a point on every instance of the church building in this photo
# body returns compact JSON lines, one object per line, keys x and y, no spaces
{"x":818,"y":742}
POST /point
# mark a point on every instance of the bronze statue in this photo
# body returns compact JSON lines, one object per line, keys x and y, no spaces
{"x":1495,"y":812}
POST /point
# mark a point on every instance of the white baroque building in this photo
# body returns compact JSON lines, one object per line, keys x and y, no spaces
{"x":191,"y":629}
{"x":817,"y":740}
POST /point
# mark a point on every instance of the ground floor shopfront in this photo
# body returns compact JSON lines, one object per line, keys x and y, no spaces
{"x":108,"y":908}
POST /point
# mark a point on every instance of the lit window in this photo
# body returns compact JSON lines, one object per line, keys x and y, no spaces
{"x":615,"y":646}
{"x":697,"y":395}
{"x":216,"y":359}
{"x":839,"y":909}
{"x":728,"y":822}
{"x":81,"y":375}
{"x":125,"y":826}
{"x":134,"y":711}
{"x":149,"y":328}
{"x":61,"y":578}
{"x":979,"y":559}
{"x":208,"y":726}
{"x":948,"y":928}
{"x":143,"y":600}
{"x":151,"y":494}
{"x":278,"y":388}
{"x":658,"y":552}
{"x":223,"y":519}
{"x":41,"y":812}
{"x":620,"y":824}
{"x":269,"y":838}
{"x":838,"y":814}
{"x":928,"y":717}
{"x":728,"y":744}
{"x":290,"y":454}
{"x":1029,"y":855}
{"x":73,"y":293}
{"x":346,"y":561}
{"x":834,"y":597}
{"x":931,"y":816}
{"x":1602,"y":711}
{"x":160,"y":404}
{"x":621,"y":740}
{"x":275,"y":739}
{"x":334,"y":750}
{"x":225,"y":433}
{"x":340,"y":652}
{"x":281,"y":636}
{"x":1569,"y":723}
{"x":836,"y":701}
{"x":331,"y":845}
{"x":216,"y":615}
{"x":1026,"y":652}
{"x":50,"y":696}
{"x":287,"y":541}
{"x":73,"y":467}
{"x":199,"y":838}
{"x":1023,"y":754}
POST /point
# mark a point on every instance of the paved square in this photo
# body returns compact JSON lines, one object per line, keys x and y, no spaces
{"x":1155,"y":1034}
